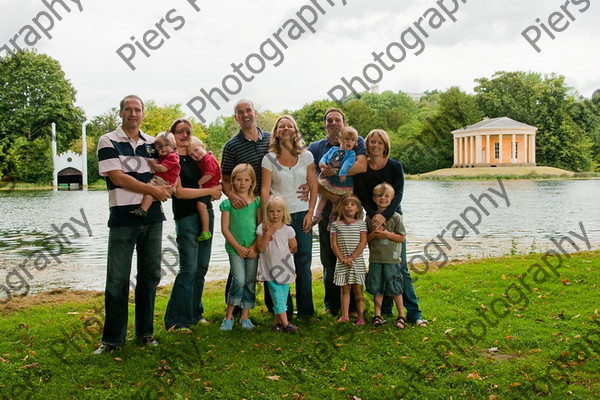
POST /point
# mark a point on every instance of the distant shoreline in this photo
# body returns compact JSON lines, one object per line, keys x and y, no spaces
{"x":517,"y":172}
{"x":479,"y":173}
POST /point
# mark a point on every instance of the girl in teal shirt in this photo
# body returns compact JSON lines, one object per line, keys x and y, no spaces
{"x":239,"y":228}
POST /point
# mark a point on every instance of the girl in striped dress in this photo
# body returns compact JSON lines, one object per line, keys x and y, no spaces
{"x":348,"y":240}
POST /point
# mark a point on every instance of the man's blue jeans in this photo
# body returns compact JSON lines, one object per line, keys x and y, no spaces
{"x":185,"y":304}
{"x":147,"y":241}
{"x":303,"y":261}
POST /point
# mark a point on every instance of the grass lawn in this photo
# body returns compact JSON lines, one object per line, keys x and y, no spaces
{"x":500,"y":328}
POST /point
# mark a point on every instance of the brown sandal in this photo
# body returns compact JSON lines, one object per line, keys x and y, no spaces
{"x":400,"y":323}
{"x":378,"y":320}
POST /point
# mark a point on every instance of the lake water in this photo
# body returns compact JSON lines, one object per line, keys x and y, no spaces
{"x":538,"y":211}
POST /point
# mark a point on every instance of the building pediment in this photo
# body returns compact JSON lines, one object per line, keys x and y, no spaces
{"x":500,"y":124}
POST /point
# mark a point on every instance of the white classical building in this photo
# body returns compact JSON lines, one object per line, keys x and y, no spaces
{"x":494,"y":142}
{"x":69,"y":167}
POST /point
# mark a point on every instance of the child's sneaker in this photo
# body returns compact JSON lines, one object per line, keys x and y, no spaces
{"x":343,"y":319}
{"x":205,"y":235}
{"x":290,"y":328}
{"x":227,"y":324}
{"x":247,"y":324}
{"x":360,"y":322}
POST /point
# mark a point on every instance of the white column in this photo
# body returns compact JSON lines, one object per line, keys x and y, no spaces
{"x":513,"y":146}
{"x":54,"y":157}
{"x":525,"y":148}
{"x":487,"y":148}
{"x":84,"y":174}
{"x":478,"y":149}
{"x":533,"y":149}
{"x":500,"y":148}
{"x":455,"y":150}
{"x":471,"y":149}
{"x":467,"y":148}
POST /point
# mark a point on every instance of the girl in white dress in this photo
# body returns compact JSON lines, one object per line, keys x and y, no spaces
{"x":276,"y":242}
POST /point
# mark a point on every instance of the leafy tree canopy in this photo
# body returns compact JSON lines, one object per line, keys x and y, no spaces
{"x":34,"y":92}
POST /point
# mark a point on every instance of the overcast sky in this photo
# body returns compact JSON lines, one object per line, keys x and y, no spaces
{"x":485,"y":37}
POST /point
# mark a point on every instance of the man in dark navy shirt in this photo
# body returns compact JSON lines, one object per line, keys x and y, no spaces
{"x":334,"y":121}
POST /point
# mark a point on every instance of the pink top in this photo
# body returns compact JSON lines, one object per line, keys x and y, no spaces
{"x":209,"y":166}
{"x":170,"y":161}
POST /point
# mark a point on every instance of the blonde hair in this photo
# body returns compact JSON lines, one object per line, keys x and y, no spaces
{"x":384,"y":137}
{"x":281,"y":201}
{"x":166,"y":138}
{"x":195,"y":142}
{"x":382,"y":189}
{"x":342,"y":202}
{"x":297,"y":142}
{"x":349,"y":132}
{"x":241,"y":169}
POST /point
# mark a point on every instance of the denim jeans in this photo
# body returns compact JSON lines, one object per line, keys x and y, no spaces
{"x":185,"y":304}
{"x":303,"y":261}
{"x":147,"y":241}
{"x":242,"y":291}
{"x":409,"y":297}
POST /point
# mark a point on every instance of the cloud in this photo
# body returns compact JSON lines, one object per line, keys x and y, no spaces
{"x":485,"y":38}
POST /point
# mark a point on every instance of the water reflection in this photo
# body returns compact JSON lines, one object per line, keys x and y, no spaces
{"x":538,"y":211}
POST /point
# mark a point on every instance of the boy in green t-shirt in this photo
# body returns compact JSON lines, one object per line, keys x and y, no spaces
{"x":384,"y":276}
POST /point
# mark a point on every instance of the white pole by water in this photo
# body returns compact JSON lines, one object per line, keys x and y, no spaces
{"x":54,"y":156}
{"x":84,"y":157}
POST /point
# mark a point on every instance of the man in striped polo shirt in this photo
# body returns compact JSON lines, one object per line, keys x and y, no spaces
{"x":123,"y":160}
{"x":249,"y":145}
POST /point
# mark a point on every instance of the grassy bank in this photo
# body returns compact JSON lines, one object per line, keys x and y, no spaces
{"x":500,"y":328}
{"x":9,"y":186}
{"x":484,"y":173}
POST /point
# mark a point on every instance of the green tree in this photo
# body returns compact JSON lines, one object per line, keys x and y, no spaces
{"x":586,"y":114}
{"x":453,"y":109}
{"x":103,"y":123}
{"x":387,"y":111}
{"x":393,"y":109}
{"x":31,"y":161}
{"x":362,"y":117}
{"x":98,"y":126}
{"x":34,"y":92}
{"x":220,"y":131}
{"x":266,"y":120}
{"x":158,"y":119}
{"x":541,"y":101}
{"x":310,"y":119}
